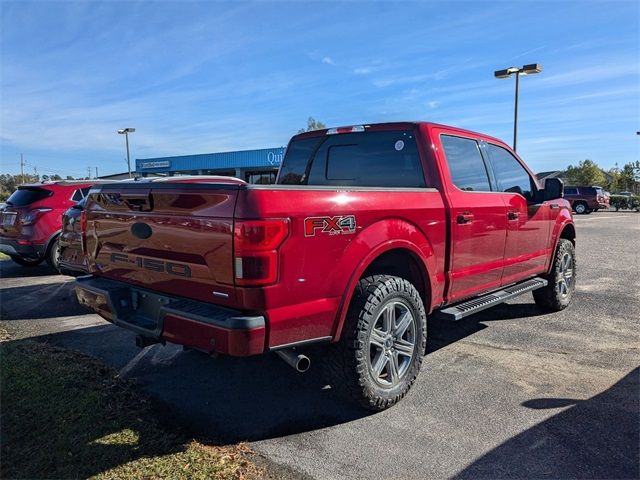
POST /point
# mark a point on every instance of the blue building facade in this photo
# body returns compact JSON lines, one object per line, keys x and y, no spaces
{"x":253,"y":166}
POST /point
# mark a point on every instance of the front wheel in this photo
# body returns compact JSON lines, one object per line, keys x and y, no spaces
{"x":383,"y":341}
{"x":557,"y":294}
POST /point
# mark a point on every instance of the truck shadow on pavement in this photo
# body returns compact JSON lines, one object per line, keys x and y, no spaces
{"x":221,"y":400}
{"x":225,"y":400}
{"x":593,"y":438}
{"x":441,"y":333}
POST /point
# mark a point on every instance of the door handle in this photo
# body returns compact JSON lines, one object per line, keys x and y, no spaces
{"x":464,"y":217}
{"x":513,"y":215}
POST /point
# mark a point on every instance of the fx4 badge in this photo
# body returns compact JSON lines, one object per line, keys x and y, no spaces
{"x":331,"y":225}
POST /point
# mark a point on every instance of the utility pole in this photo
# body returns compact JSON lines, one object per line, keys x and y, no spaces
{"x":89,"y":170}
{"x":35,"y":172}
{"x":21,"y":169}
{"x":96,"y":172}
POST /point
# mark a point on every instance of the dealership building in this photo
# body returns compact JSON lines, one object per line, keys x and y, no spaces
{"x":253,"y":166}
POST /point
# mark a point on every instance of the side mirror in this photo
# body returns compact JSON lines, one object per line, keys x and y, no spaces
{"x":553,"y":188}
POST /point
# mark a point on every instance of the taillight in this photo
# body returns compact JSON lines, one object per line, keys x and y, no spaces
{"x":256,"y":244}
{"x":32,"y":215}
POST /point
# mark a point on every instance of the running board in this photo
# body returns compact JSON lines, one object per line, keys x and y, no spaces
{"x":469,"y":307}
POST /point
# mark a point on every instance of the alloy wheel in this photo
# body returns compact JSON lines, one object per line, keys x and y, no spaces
{"x":564,"y":278}
{"x":392,"y":343}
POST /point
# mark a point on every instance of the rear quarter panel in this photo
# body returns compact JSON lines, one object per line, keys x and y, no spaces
{"x":319,"y":271}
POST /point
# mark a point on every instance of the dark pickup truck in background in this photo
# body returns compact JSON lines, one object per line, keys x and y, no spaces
{"x":368,"y":230}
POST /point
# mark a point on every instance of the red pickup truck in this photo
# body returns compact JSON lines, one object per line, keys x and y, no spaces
{"x":367,"y":230}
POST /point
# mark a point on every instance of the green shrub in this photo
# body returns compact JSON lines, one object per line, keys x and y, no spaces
{"x":623,"y":202}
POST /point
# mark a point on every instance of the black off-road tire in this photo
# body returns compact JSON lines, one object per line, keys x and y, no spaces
{"x":53,"y":254}
{"x":551,"y":298}
{"x":27,"y":262}
{"x":347,"y":362}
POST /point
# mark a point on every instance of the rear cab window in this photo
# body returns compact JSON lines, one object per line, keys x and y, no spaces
{"x":570,"y":191}
{"x":25,"y":196}
{"x":379,"y":158}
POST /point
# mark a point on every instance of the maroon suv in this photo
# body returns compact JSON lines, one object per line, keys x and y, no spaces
{"x":31,"y":221}
{"x":585,"y":199}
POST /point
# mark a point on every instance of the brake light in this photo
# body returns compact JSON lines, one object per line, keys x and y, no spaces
{"x":32,"y":215}
{"x":354,"y":129}
{"x":256,"y":244}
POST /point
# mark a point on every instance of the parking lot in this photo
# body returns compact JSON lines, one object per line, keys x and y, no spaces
{"x":508,"y":393}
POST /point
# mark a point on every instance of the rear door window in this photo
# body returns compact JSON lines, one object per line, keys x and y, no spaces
{"x":365,"y":159}
{"x":510,"y":174}
{"x":27,"y":195}
{"x":77,"y":196}
{"x":466,"y":165}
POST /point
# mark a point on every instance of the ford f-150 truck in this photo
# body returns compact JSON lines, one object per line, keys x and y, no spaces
{"x":367,"y":230}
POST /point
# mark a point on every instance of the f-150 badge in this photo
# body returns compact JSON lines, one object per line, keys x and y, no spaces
{"x":338,"y":225}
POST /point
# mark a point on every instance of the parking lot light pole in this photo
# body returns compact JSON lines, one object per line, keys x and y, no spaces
{"x":126,"y":132}
{"x":506,"y":73}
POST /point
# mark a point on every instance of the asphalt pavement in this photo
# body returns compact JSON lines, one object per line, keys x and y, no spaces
{"x":509,"y":393}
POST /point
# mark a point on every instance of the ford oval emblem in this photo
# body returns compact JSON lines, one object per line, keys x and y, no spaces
{"x":141,"y":230}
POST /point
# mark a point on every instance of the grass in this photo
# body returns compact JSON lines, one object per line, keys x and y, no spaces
{"x":67,"y":415}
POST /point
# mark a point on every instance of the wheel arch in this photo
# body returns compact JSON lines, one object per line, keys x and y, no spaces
{"x":569,"y":233}
{"x":383,"y":260}
{"x":52,"y":239}
{"x":563,"y":228}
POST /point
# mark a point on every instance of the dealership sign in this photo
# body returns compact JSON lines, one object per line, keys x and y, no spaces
{"x":162,"y":164}
{"x":275,"y":158}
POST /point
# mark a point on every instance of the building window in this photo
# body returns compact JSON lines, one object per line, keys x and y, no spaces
{"x":261,"y":178}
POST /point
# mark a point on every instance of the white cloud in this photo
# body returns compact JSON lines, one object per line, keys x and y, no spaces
{"x":328,"y":60}
{"x":362,"y":71}
{"x":433,"y":104}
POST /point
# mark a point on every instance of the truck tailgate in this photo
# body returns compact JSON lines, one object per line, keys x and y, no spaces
{"x":174,"y":236}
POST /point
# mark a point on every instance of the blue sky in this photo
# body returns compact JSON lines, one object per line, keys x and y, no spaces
{"x":197,"y":77}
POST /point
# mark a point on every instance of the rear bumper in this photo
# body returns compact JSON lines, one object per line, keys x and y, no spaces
{"x":200,"y":325}
{"x":11,"y":246}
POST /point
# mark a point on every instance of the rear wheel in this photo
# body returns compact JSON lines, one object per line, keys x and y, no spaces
{"x":580,"y":208}
{"x":27,"y":262}
{"x":557,"y":294}
{"x":383,"y":341}
{"x":53,"y":254}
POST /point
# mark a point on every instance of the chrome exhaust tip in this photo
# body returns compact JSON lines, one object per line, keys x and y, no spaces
{"x":297,"y":361}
